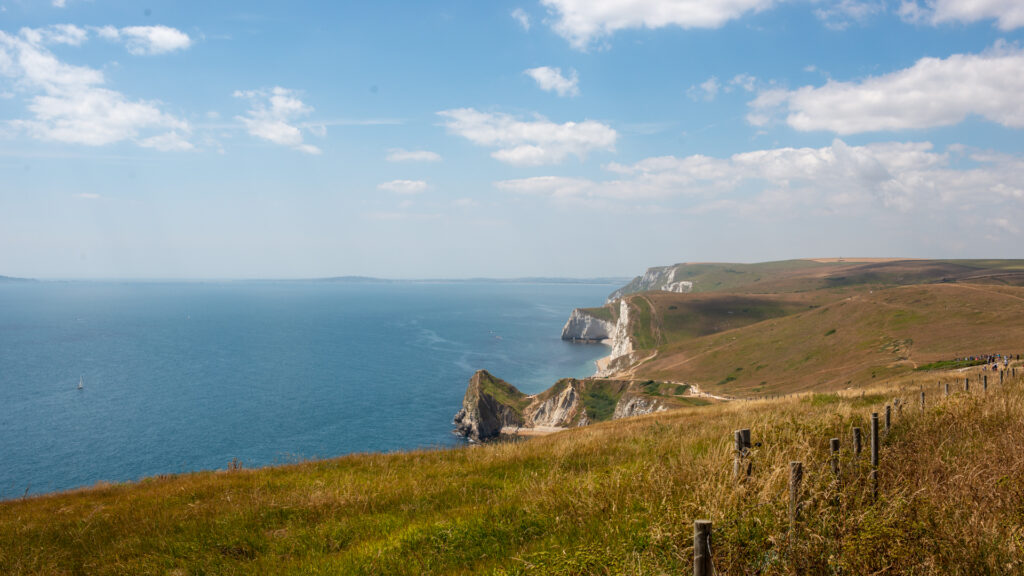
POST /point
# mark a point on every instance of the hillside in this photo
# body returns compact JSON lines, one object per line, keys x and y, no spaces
{"x":808,"y":325}
{"x":864,"y":336}
{"x":613,"y":498}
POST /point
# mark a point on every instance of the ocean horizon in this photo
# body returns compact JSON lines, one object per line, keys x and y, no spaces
{"x":181,"y":376}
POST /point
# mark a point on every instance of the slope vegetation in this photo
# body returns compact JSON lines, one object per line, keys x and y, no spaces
{"x":612,"y":498}
{"x":865,"y":336}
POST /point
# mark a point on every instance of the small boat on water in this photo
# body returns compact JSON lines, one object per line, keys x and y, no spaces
{"x":81,"y":382}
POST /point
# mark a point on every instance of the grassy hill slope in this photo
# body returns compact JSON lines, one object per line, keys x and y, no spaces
{"x":613,"y":498}
{"x":870,"y":334}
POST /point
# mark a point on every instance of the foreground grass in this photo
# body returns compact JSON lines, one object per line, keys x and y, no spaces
{"x":613,"y":498}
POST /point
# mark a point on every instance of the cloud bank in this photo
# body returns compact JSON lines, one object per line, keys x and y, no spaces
{"x":529,"y":143}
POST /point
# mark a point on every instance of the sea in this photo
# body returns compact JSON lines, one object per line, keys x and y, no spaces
{"x":185,"y":376}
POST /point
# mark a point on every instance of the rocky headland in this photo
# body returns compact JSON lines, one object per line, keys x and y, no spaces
{"x":492,"y":407}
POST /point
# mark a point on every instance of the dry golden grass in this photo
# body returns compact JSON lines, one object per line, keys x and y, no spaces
{"x":613,"y":498}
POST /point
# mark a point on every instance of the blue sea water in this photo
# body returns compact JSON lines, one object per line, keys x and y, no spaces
{"x":188,"y":376}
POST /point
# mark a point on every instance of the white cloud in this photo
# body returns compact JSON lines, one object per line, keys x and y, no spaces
{"x":932,"y":92}
{"x":272,"y":117}
{"x":520,"y":16}
{"x":583,"y":21}
{"x":744,"y":81}
{"x":56,"y":34}
{"x":60,"y":3}
{"x":551,"y":80}
{"x":404,"y":186}
{"x":1008,"y":14}
{"x":69,"y":103}
{"x":400,"y":155}
{"x":170,"y":141}
{"x":706,"y":90}
{"x":529,"y":143}
{"x":147,"y":40}
{"x":885,"y":176}
{"x":841,"y":14}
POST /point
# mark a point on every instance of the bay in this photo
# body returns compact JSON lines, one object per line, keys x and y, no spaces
{"x":184,"y":376}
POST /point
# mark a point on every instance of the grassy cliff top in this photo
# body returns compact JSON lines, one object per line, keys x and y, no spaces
{"x":613,"y":498}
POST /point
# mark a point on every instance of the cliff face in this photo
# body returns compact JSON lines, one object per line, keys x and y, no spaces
{"x":583,"y":326}
{"x":491,"y":404}
{"x":657,"y":278}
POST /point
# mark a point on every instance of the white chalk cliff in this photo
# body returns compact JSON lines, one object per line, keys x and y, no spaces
{"x":658,"y":278}
{"x":583,"y":326}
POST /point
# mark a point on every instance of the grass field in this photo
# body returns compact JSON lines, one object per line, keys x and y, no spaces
{"x":860,"y":336}
{"x":613,"y":498}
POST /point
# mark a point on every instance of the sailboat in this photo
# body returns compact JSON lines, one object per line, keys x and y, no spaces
{"x":81,"y":382}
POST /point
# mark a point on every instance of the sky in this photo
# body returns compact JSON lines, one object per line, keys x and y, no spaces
{"x":456,"y":139}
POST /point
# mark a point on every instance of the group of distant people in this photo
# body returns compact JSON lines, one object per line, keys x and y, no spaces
{"x":992,"y":360}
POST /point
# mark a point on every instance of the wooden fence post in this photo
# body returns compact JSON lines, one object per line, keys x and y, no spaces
{"x":856,"y":442}
{"x":796,"y":475}
{"x":834,"y":447}
{"x":922,"y":400}
{"x":947,"y":389}
{"x":737,"y":458}
{"x":984,"y":384}
{"x":888,"y":418}
{"x":874,"y":455}
{"x":702,"y":548}
{"x":967,"y":384}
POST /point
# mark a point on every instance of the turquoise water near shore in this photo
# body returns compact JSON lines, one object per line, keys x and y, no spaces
{"x":188,"y":376}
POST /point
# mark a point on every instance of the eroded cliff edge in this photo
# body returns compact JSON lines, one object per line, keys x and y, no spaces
{"x":492,"y":405}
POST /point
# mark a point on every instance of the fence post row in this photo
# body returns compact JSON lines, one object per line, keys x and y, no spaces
{"x":702,"y":565}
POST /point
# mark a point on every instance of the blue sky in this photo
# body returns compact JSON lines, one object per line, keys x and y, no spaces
{"x":504,"y":139}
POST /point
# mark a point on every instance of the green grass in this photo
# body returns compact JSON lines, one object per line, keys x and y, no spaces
{"x":642,"y":329}
{"x":503,"y":392}
{"x":602,"y":313}
{"x":949,"y":365}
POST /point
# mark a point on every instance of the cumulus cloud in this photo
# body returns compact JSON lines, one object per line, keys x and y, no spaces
{"x":70,"y":103}
{"x":147,"y":40}
{"x":520,"y":16}
{"x":551,"y":80}
{"x":932,"y":92}
{"x":583,"y":21}
{"x":272,"y":117}
{"x":1008,"y":14}
{"x":529,"y":143}
{"x":401,"y":155}
{"x":404,"y":186}
{"x":895,"y":176}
